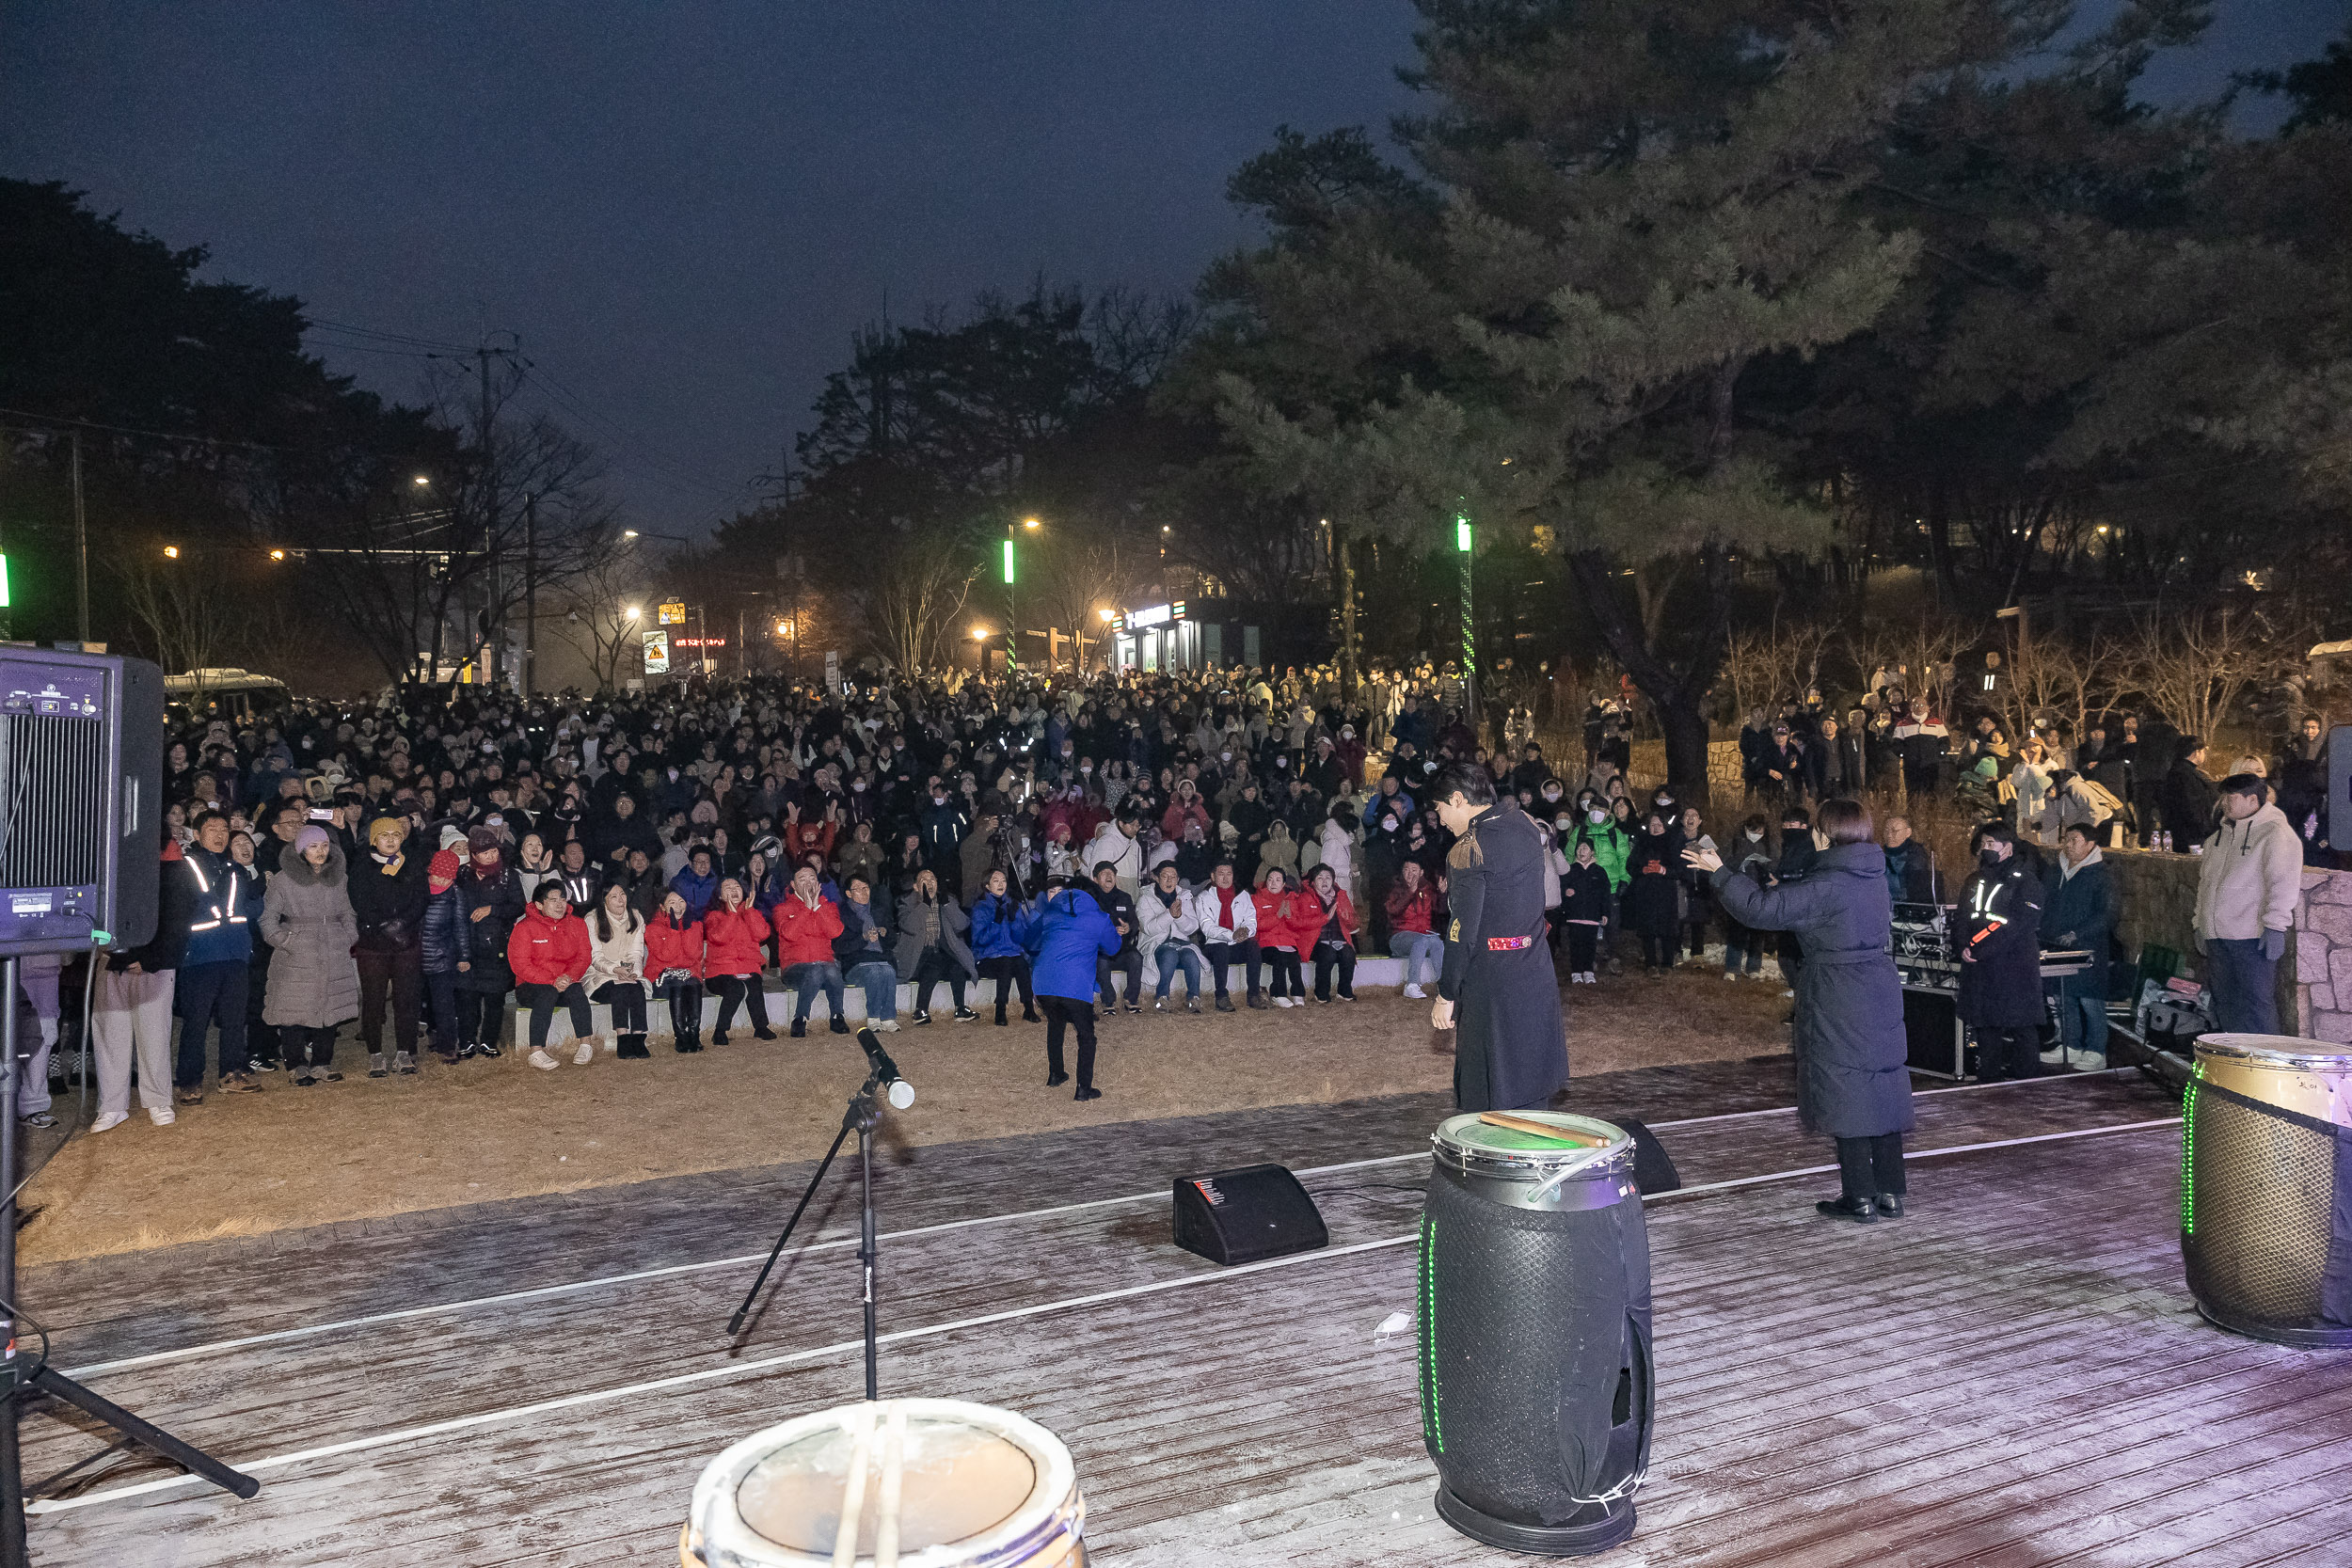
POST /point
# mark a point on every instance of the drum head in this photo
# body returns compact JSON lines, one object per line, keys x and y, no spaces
{"x":962,"y":1481}
{"x":976,"y":1485}
{"x":1482,"y":1148}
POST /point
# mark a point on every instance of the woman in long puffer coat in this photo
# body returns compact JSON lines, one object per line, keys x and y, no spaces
{"x":491,"y":895}
{"x":1853,"y":1082}
{"x":313,"y":983}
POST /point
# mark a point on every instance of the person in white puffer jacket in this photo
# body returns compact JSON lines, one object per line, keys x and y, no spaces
{"x":1226,"y":920}
{"x":1170,"y":922}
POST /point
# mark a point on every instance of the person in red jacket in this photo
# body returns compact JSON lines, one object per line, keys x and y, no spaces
{"x":1412,"y":905}
{"x":1334,"y":941}
{"x":806,"y":922}
{"x":549,"y":952}
{"x":731,"y":932}
{"x":674,"y":962}
{"x":1186,"y":810}
{"x":1286,"y":928}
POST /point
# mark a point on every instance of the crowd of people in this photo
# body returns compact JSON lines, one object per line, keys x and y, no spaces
{"x":425,"y":862}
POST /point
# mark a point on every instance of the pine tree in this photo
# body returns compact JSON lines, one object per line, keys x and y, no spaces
{"x":1622,"y":208}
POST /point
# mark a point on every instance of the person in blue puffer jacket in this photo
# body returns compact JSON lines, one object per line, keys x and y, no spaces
{"x":1067,"y":935}
{"x":445,"y":939}
{"x":1000,"y":931}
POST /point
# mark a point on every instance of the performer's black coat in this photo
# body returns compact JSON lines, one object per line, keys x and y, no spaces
{"x":1852,"y":1078}
{"x":1511,"y":1049}
{"x":1996,"y":933}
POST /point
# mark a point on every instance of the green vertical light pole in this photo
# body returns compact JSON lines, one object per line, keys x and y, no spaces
{"x":1463,"y":543}
{"x":1012,"y":614}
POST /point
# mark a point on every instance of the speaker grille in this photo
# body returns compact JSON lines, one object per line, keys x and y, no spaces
{"x":2257,"y":1212}
{"x":54,"y":773}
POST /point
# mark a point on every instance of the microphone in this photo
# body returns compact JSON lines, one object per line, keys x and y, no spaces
{"x":896,"y":1089}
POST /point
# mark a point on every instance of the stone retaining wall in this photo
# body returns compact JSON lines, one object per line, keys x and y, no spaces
{"x":2159,"y":899}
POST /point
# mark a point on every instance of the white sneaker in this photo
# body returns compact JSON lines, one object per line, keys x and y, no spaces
{"x":1590,"y":978}
{"x":1731,"y":974}
{"x":108,"y":1119}
{"x":1414,"y":990}
{"x":586,"y":1054}
{"x":162,"y":1118}
{"x":887,"y":1026}
{"x":543,"y":1062}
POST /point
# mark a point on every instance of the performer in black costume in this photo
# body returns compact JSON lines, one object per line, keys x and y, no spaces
{"x":1512,"y":1051}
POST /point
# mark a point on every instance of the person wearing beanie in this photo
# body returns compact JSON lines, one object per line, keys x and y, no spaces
{"x":307,"y":920}
{"x":388,"y":896}
{"x":491,"y":897}
{"x":444,"y":951}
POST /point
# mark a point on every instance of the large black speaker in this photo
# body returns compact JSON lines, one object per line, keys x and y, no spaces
{"x":1239,"y":1216}
{"x":1536,"y":1389}
{"x":81,"y":798}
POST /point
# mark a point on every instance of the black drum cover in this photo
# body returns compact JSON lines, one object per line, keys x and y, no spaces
{"x":1538,"y":1398}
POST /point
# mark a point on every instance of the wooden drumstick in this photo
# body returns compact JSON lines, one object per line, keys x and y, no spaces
{"x":1541,"y":1129}
{"x":893,"y":1479}
{"x":854,"y":1498}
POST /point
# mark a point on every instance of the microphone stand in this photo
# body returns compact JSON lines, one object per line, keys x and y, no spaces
{"x":863,"y":1112}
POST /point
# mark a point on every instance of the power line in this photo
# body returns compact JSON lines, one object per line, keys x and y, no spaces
{"x":648,"y":454}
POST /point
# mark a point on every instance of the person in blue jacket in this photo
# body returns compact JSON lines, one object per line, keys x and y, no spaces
{"x":1000,"y":929}
{"x":1068,"y":933}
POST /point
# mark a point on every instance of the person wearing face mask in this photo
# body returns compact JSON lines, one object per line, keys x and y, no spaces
{"x":1583,"y":912}
{"x":1853,"y":1082}
{"x":1743,"y":945}
{"x":1997,"y":934}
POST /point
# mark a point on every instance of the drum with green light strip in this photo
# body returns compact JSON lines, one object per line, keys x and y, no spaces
{"x":1534,"y":1351}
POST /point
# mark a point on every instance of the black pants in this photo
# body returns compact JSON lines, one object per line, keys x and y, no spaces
{"x":932,"y":968}
{"x":2003,"y":1054}
{"x":1069,"y":1011}
{"x":1330,"y":956}
{"x":1243,"y":952}
{"x":627,"y":1003}
{"x":480,"y":1014}
{"x":686,"y":1011}
{"x":298,"y":1043}
{"x":1008,"y":973}
{"x":1696,"y":931}
{"x":1656,"y":952}
{"x":208,"y":994}
{"x":440,"y":996}
{"x":1281,"y":965}
{"x":544,"y":999}
{"x":1871,"y":1167}
{"x":399,"y":976}
{"x":738,"y":991}
{"x":1583,"y":938}
{"x":1106,"y":973}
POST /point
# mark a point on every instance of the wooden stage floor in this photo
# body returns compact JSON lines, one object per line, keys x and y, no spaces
{"x":2012,"y":1375}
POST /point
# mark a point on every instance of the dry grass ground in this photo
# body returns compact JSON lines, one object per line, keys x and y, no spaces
{"x":243,"y":1164}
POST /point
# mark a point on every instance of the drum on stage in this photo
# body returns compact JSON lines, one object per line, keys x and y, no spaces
{"x":2267,"y":1187}
{"x":1535,"y":1379}
{"x":910,"y":1483}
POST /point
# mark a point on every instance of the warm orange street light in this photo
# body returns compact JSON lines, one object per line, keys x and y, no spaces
{"x":171,"y":552}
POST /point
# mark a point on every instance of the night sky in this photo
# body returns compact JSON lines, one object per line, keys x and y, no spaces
{"x":685,"y":208}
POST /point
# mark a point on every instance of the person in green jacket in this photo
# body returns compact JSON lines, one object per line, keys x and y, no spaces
{"x":1610,"y":846}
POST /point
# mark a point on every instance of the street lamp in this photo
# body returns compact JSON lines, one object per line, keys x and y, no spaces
{"x":633,"y":612}
{"x":171,"y":552}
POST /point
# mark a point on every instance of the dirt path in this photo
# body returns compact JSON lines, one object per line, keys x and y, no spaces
{"x":361,"y":1148}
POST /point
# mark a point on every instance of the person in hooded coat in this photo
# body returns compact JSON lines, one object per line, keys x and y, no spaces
{"x":313,"y":984}
{"x":1511,"y":1049}
{"x":491,"y":897}
{"x":1853,"y":1080}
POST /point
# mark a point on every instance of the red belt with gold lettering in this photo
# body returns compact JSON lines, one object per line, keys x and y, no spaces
{"x":1508,"y":944}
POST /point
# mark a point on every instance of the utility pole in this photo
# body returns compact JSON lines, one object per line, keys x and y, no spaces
{"x":494,"y":602}
{"x":531,"y":592}
{"x":81,"y":546}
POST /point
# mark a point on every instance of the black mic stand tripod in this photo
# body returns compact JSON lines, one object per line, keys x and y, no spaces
{"x":861,"y":1116}
{"x":19,"y":1380}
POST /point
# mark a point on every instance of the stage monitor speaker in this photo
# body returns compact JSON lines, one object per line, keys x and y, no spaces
{"x":81,"y":798}
{"x":1653,"y":1168}
{"x":1239,"y":1216}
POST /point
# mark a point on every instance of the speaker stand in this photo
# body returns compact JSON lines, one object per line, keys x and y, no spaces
{"x":17,"y":1381}
{"x":1594,"y":1527}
